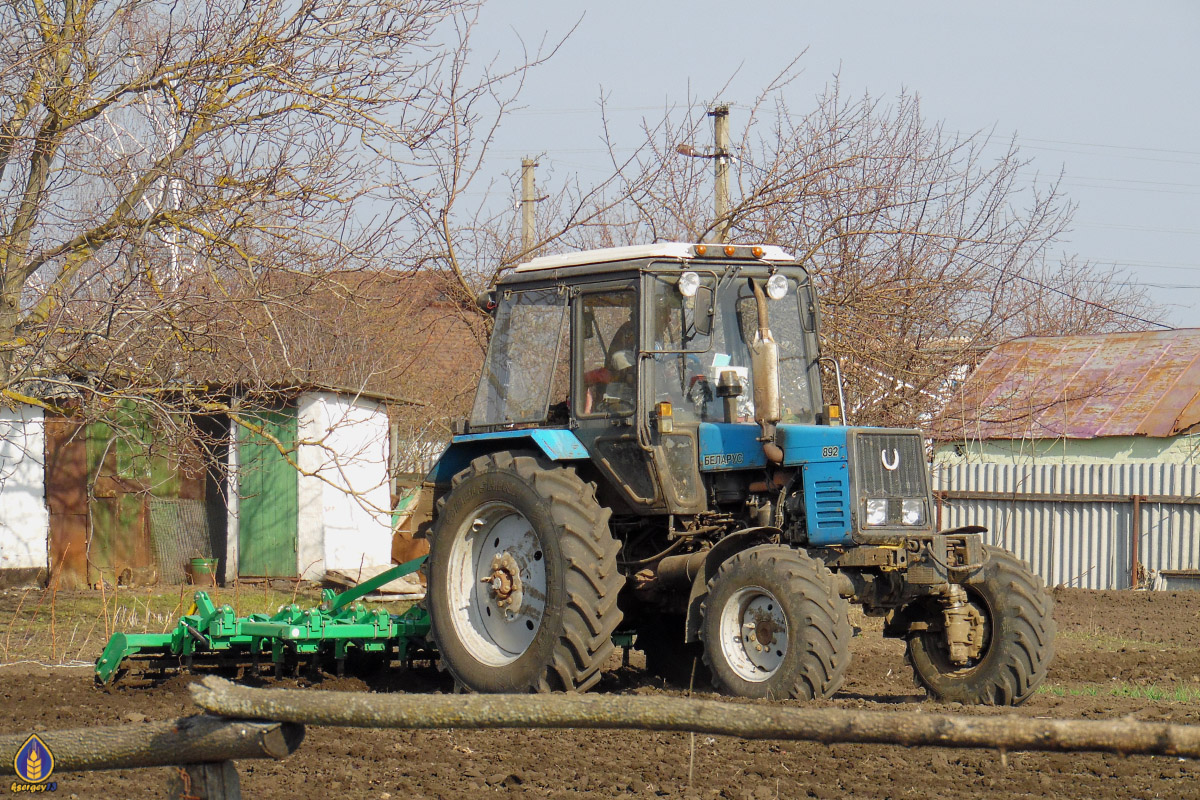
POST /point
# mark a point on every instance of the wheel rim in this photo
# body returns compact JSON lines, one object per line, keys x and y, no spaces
{"x":754,"y":633}
{"x":497,"y":584}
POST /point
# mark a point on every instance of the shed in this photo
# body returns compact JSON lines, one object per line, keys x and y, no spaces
{"x":322,"y":501}
{"x":300,"y":485}
{"x":1080,"y":454}
{"x":24,"y":519}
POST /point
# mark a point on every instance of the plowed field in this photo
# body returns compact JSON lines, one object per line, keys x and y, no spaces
{"x":1118,"y":654}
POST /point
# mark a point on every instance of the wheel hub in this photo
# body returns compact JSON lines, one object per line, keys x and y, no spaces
{"x":763,"y":629}
{"x":504,"y":582}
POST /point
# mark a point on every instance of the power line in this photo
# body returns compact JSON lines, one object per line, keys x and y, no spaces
{"x":1131,"y":158}
{"x":1069,"y":177}
{"x":1112,"y":146}
{"x":1112,"y":262}
{"x":1066,"y":294}
{"x":1110,"y":226}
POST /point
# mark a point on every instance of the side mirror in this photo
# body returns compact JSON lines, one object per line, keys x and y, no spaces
{"x":486,"y":300}
{"x":704,"y":310}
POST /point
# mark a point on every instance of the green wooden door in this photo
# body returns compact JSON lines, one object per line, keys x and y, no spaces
{"x":268,"y":501}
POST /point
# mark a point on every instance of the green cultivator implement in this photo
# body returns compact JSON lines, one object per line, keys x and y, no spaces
{"x":337,"y":627}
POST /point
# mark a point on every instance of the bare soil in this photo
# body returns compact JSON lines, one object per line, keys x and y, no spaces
{"x":1118,"y":654}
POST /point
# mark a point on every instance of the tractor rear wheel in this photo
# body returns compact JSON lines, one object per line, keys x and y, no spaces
{"x":774,"y":626}
{"x":1018,"y":629}
{"x":522,"y":577}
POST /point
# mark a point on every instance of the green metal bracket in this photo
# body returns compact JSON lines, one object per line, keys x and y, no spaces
{"x":366,"y":587}
{"x":123,"y":645}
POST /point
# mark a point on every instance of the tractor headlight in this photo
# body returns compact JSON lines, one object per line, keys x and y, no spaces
{"x":877,"y":512}
{"x":912,"y":512}
{"x":776,"y":286}
{"x":689,"y":282}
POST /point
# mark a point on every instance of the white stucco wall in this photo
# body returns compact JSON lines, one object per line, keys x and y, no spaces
{"x":345,"y":518}
{"x":232,"y":498}
{"x":24,"y":517}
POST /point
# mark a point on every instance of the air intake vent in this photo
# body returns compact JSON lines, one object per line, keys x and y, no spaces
{"x":829,"y":504}
{"x":889,"y":465}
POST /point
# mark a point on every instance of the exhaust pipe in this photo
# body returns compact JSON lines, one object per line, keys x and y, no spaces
{"x":764,"y":362}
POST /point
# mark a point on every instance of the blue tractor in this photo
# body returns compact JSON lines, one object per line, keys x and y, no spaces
{"x":649,"y":451}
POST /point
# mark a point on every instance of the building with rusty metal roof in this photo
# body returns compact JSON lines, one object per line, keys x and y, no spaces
{"x":1102,"y":398}
{"x":1081,"y":454}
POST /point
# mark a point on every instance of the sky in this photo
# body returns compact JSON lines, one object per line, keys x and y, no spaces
{"x":1106,"y":93}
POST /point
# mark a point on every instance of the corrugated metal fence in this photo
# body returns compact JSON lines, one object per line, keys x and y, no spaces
{"x":1095,"y":526}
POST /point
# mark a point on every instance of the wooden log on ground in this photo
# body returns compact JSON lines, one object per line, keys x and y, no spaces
{"x":757,"y":721}
{"x":190,"y":740}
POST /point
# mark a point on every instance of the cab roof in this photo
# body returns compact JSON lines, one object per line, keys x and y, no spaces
{"x":675,"y":250}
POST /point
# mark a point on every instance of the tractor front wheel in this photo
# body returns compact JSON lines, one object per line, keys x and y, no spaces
{"x":1015,"y":614}
{"x":774,"y":626}
{"x":522,"y":577}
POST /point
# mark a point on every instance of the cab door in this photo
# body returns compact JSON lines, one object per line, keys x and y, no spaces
{"x":605,"y":393}
{"x":675,"y":337}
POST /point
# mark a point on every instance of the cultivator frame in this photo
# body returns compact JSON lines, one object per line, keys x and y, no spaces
{"x":337,"y":626}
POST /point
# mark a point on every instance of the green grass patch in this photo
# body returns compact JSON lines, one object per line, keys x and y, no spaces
{"x":1151,"y":692}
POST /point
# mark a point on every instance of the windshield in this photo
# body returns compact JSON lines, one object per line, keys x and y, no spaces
{"x":686,"y":363}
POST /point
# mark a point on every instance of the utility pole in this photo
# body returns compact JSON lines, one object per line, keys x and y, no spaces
{"x":720,"y":115}
{"x":527,"y":200}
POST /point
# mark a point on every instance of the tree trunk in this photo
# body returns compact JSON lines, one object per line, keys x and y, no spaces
{"x":748,"y":721}
{"x":190,"y":740}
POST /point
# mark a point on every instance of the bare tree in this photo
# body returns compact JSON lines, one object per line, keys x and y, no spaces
{"x":157,"y":159}
{"x":205,"y":206}
{"x":928,"y":247}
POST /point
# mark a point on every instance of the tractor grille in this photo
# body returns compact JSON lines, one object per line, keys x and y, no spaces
{"x":889,"y":465}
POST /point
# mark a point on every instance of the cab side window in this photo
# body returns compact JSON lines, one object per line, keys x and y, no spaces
{"x":608,"y":357}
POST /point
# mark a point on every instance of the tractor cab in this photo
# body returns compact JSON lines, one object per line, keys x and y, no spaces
{"x":646,"y":356}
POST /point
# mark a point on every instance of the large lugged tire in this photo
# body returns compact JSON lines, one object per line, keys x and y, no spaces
{"x":1018,"y":639}
{"x":774,"y":626}
{"x":522,"y":577}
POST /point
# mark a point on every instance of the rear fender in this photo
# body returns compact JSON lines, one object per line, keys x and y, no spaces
{"x":721,"y":552}
{"x":556,"y":444}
